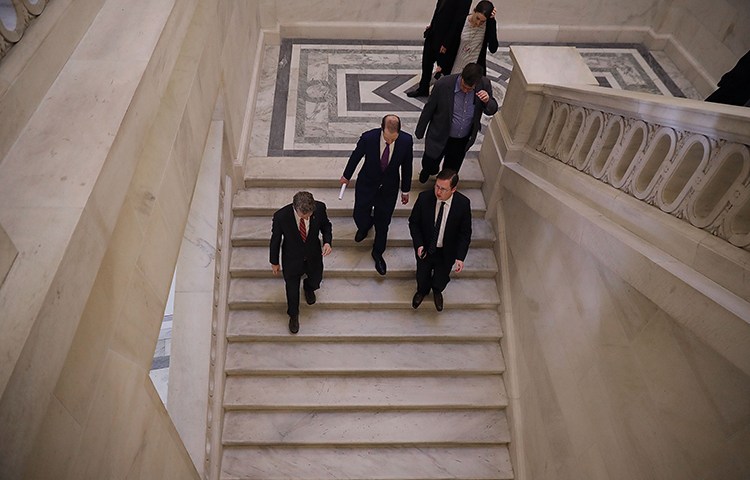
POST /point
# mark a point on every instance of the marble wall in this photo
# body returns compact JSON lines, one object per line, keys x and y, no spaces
{"x":95,"y":194}
{"x":610,"y":385}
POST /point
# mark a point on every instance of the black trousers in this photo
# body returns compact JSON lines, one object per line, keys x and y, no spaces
{"x":311,"y":283}
{"x":430,"y":53}
{"x":433,"y":272}
{"x":453,"y":153}
{"x":378,"y":212}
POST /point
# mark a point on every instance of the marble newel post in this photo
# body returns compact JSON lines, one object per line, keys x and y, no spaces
{"x":534,"y":67}
{"x":8,"y":254}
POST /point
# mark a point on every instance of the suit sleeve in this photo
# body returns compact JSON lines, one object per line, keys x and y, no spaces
{"x":406,"y":165}
{"x":355,"y":157}
{"x":490,"y":36}
{"x":464,"y":233}
{"x":429,"y":109}
{"x":415,"y":224}
{"x":325,"y":225}
{"x":275,"y":240}
{"x":490,"y":108}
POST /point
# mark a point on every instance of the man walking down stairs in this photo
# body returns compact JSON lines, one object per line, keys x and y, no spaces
{"x":369,"y":388}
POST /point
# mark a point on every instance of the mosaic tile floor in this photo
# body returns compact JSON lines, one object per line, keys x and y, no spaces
{"x":317,"y":97}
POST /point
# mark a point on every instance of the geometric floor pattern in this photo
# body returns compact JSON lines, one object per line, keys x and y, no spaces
{"x":325,"y":93}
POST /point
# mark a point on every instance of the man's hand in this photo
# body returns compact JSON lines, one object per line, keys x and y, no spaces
{"x":459,"y":266}
{"x":326,"y":249}
{"x":483,"y":96}
{"x":344,"y":181}
{"x":404,"y":198}
{"x":275,"y":268}
{"x":494,"y":11}
{"x":421,"y":252}
{"x":443,"y":49}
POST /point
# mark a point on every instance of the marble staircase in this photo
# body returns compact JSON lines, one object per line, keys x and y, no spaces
{"x":369,"y":387}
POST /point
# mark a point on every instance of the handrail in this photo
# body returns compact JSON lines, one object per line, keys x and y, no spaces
{"x":690,"y":160}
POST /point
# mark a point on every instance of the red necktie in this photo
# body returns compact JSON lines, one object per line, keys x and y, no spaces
{"x":302,"y":230}
{"x":384,"y":157}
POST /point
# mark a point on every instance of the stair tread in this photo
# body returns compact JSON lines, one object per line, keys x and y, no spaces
{"x":326,"y":172}
{"x":339,"y":392}
{"x":256,"y":231}
{"x":266,"y":200}
{"x":379,"y":463}
{"x":473,"y":427}
{"x":358,"y":292}
{"x":274,"y":357}
{"x":357,"y":261}
{"x":421,"y":324}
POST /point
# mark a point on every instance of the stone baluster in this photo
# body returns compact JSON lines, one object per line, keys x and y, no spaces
{"x":15,"y":17}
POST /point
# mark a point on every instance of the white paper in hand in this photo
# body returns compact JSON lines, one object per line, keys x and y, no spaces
{"x":341,"y":192}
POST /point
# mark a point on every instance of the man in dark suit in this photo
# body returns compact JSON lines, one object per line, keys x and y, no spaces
{"x":296,"y":231}
{"x":440,"y":227}
{"x":442,"y":35}
{"x":387,"y":151}
{"x":454,"y":114}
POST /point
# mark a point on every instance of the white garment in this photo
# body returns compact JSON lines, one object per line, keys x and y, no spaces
{"x":470,"y":46}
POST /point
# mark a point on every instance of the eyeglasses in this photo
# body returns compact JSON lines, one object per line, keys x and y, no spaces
{"x":441,"y":189}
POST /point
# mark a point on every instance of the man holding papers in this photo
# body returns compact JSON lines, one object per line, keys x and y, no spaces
{"x":388,"y":165}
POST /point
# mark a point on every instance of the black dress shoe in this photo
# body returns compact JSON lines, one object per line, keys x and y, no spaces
{"x":379,"y":263}
{"x":294,"y":323}
{"x":423,"y":176}
{"x":309,"y":296}
{"x":417,"y":300}
{"x":438,"y":297}
{"x":418,"y":93}
{"x":360,"y":235}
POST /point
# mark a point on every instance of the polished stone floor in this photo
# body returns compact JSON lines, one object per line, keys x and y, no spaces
{"x":316,"y":97}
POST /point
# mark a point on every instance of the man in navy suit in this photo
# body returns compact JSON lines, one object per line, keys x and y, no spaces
{"x":296,"y":231}
{"x":440,"y":227}
{"x":452,"y":118}
{"x":388,"y":165}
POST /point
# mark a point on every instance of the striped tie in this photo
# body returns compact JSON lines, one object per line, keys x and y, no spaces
{"x":302,"y":230}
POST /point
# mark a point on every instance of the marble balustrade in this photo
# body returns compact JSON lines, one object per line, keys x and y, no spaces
{"x":701,"y":178}
{"x":15,"y":19}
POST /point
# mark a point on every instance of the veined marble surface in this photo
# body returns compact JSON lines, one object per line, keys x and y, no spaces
{"x":317,"y":97}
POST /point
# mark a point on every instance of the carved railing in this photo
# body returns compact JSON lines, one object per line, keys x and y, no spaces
{"x":15,"y":17}
{"x":701,"y":179}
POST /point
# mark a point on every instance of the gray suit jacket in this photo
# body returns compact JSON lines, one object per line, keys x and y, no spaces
{"x":438,"y":113}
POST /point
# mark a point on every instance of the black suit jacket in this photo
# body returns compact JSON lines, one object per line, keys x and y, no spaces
{"x":285,"y":237}
{"x":438,"y":114}
{"x":371,"y":177}
{"x":446,"y":24}
{"x":457,"y":235}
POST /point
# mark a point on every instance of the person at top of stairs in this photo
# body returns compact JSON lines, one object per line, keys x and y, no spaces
{"x":387,"y":150}
{"x":296,"y":232}
{"x":440,"y":227}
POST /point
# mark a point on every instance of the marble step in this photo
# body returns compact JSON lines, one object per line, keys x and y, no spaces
{"x":256,"y":231}
{"x":366,"y":428}
{"x":373,"y":463}
{"x":364,"y":392}
{"x":357,"y":262}
{"x":265,"y":201}
{"x":326,"y":172}
{"x":371,"y":358}
{"x":354,"y":292}
{"x":424,"y":324}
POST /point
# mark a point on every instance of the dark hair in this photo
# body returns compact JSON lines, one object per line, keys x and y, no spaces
{"x":448,"y":174}
{"x":485,"y":7}
{"x":303,"y":202}
{"x":471,"y":74}
{"x":393,"y":122}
